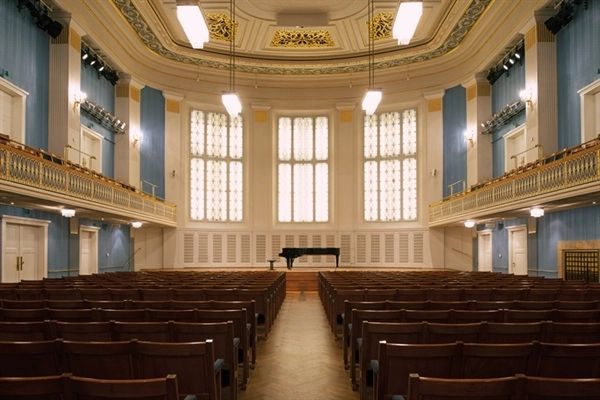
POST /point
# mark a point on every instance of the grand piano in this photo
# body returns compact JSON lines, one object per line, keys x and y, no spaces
{"x":292,"y":252}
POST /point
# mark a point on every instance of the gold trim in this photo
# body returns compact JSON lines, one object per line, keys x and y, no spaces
{"x":434,"y":105}
{"x":484,"y":89}
{"x":260,"y":116}
{"x":75,"y":40}
{"x":310,"y":38}
{"x":530,"y":38}
{"x":122,"y":90}
{"x":381,"y":26}
{"x":135,"y":94}
{"x":471,"y":92}
{"x":172,"y":106}
{"x":346,"y":116}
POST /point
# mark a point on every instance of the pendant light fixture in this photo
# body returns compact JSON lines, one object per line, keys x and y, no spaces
{"x":230,"y":99}
{"x":373,"y":96}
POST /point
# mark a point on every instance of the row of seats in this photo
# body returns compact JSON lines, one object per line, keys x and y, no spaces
{"x":334,"y":305}
{"x":226,"y":344}
{"x":69,"y":387}
{"x":475,"y":360}
{"x":483,"y":332}
{"x":194,"y":364}
{"x":518,"y":387}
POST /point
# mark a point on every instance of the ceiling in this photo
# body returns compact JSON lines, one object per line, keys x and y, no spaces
{"x":304,"y":38}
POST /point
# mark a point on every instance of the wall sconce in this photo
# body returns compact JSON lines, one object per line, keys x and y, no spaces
{"x":136,"y":137}
{"x":78,"y":99}
{"x":136,"y":224}
{"x":536,"y":212}
{"x":470,"y":136}
{"x":526,"y":95}
{"x":469,"y":223}
{"x":67,"y":212}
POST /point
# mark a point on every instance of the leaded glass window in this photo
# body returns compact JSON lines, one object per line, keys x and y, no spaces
{"x":303,"y":169}
{"x":390,"y":166}
{"x":216,"y":167}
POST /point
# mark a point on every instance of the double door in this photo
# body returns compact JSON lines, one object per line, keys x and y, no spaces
{"x":21,"y":253}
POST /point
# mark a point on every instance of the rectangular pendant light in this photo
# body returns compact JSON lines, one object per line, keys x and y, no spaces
{"x":407,"y":19}
{"x":232,"y":103}
{"x":192,"y":21}
{"x":371,"y":101}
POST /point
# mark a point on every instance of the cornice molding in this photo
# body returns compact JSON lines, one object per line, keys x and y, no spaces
{"x":138,"y":23}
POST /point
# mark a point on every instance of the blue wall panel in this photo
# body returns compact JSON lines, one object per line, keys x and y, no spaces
{"x":498,"y":143}
{"x":506,"y":91}
{"x":455,"y":146}
{"x":63,"y":248}
{"x":578,"y":64}
{"x":152,"y":151}
{"x":578,"y":224}
{"x":101,"y":92}
{"x":24,"y":54}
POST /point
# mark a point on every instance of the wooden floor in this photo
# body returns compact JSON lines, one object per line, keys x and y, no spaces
{"x":300,"y":360}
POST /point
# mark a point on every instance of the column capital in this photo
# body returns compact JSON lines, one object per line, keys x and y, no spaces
{"x":260,"y":107}
{"x":173,"y":96}
{"x":477,"y":79}
{"x":346,"y":106}
{"x":438,"y":94}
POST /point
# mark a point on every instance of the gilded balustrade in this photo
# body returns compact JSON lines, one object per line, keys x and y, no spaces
{"x":578,"y":167}
{"x":30,"y":169}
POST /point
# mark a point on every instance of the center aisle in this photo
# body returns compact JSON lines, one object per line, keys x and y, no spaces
{"x":300,"y":360}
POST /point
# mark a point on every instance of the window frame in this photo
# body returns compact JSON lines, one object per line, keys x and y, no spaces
{"x":313,"y":161}
{"x":401,"y":158}
{"x":228,"y":159}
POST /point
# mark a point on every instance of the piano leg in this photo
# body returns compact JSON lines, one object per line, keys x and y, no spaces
{"x":337,"y":261}
{"x":290,"y":261}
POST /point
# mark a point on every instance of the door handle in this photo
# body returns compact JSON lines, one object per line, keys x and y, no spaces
{"x":22,"y":262}
{"x":18,"y":263}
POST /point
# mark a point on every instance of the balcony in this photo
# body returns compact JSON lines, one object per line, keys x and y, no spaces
{"x":39,"y":179}
{"x":565,"y":179}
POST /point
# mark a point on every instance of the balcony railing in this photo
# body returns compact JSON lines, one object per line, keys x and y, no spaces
{"x":558,"y":174}
{"x":36,"y":170}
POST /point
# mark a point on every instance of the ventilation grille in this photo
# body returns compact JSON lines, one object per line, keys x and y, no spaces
{"x":389,"y":248}
{"x":217,"y":249}
{"x":202,"y":248}
{"x":289,"y":240}
{"x":316,"y":242}
{"x":231,"y":248}
{"x":375,"y":249}
{"x":361,"y":249}
{"x":188,"y":248}
{"x":346,"y":249}
{"x":275,"y":246}
{"x":403,"y":248}
{"x":245,"y":259}
{"x":261,"y":248}
{"x":303,"y":242}
{"x":418,"y":248}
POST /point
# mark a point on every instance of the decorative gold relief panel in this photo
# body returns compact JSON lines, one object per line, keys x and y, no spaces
{"x":302,"y":38}
{"x":219,"y":26}
{"x":381,"y":26}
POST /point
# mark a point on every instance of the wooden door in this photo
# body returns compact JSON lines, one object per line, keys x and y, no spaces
{"x":12,"y":254}
{"x":518,"y":251}
{"x":29,"y":248}
{"x":485,"y":252}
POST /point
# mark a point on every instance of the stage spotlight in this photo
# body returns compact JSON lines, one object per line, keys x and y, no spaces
{"x":518,"y":56}
{"x":505,"y":67}
{"x":510,"y":60}
{"x":54,"y":29}
{"x":85,"y":56}
{"x":101,"y":68}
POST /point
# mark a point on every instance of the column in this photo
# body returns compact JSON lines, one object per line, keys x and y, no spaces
{"x":127,"y":149}
{"x":479,"y":147}
{"x":540,"y":83}
{"x":433,"y":168}
{"x":261,"y":207}
{"x":64,"y":123}
{"x":347,"y":168}
{"x":175,"y":162}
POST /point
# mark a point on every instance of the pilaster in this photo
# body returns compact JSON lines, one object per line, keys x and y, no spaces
{"x":262,"y":205}
{"x":127,"y":149}
{"x":541,"y":86}
{"x":479,"y":147}
{"x":64,"y":122}
{"x":346,"y":162}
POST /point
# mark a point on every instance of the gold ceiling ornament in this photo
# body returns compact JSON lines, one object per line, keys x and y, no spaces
{"x":219,"y":26}
{"x":302,"y":38}
{"x":381,"y":25}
